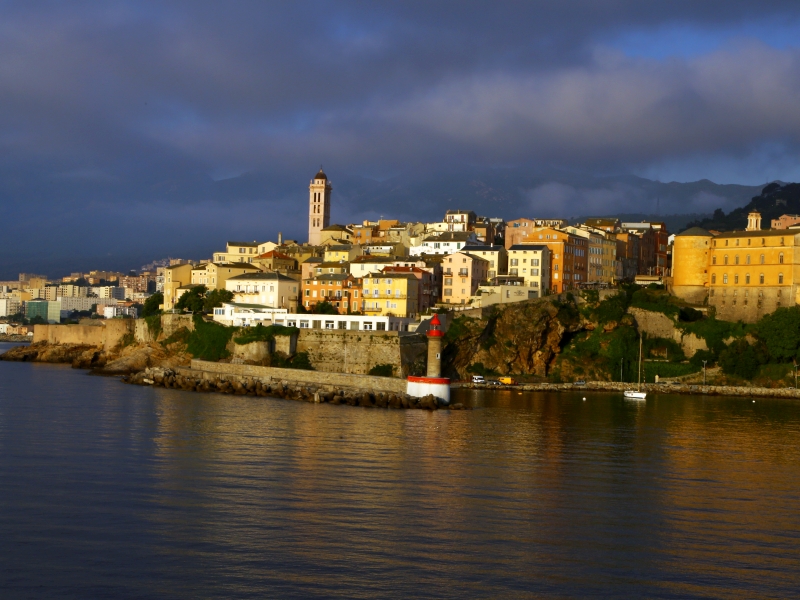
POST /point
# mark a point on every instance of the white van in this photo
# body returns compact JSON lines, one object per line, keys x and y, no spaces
{"x":478,"y":379}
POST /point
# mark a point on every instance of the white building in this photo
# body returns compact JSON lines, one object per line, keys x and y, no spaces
{"x":109,"y":291}
{"x":248,"y":315}
{"x":111,"y":312}
{"x":9,"y":306}
{"x":531,"y":262}
{"x":274,"y":290}
{"x":81,"y":304}
{"x":448,"y":242}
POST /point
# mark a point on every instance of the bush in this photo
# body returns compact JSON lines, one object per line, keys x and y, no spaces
{"x":780,"y":331}
{"x":208,"y":340}
{"x":715,"y":332}
{"x":259,"y":333}
{"x":458,"y":328}
{"x":151,"y":305}
{"x":655,"y":347}
{"x":215,"y":298}
{"x":479,"y":369}
{"x":703,"y":355}
{"x":298,"y":361}
{"x":383,"y":370}
{"x":664,"y":369}
{"x":741,"y":359}
{"x":153,"y":324}
{"x":689,"y":315}
{"x":192,"y":300}
{"x":655,"y":301}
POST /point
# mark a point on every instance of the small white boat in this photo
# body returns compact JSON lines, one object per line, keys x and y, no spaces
{"x":638,"y":394}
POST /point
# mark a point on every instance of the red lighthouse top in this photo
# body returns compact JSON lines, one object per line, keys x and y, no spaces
{"x":435,"y":327}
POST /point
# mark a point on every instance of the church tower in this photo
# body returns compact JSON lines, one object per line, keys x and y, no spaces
{"x":319,"y":207}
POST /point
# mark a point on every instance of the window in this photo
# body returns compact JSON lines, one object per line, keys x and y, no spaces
{"x":735,"y":279}
{"x":780,"y":256}
{"x":762,"y":259}
{"x":713,"y":260}
{"x":736,"y":259}
{"x":780,"y":278}
{"x":747,"y":258}
{"x":747,"y":279}
{"x":713,"y":278}
{"x":761,"y":278}
{"x":725,"y":260}
{"x":725,"y":278}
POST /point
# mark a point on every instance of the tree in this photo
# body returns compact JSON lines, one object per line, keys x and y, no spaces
{"x":151,"y":305}
{"x":38,"y":320}
{"x":780,"y":331}
{"x":215,"y":298}
{"x":192,"y":300}
{"x":325,"y":308}
{"x":740,"y":359}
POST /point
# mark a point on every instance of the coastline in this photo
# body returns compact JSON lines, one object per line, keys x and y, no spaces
{"x":658,"y":388}
{"x":16,"y":339}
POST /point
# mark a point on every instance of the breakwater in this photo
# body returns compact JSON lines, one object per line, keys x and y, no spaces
{"x":292,"y":384}
{"x":656,"y":388}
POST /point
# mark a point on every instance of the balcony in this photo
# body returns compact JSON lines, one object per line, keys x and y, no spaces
{"x":386,"y":297}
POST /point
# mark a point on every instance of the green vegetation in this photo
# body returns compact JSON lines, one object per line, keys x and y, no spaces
{"x":780,"y":331}
{"x":742,"y":359}
{"x":458,"y":328}
{"x":259,"y":333}
{"x":715,"y":332}
{"x":180,"y":335}
{"x":382,"y":370}
{"x":655,"y":301}
{"x":479,"y":369}
{"x":199,"y":299}
{"x":655,"y":347}
{"x":151,"y":305}
{"x":153,"y":325}
{"x":666,"y":369}
{"x":298,"y":361}
{"x":208,"y":340}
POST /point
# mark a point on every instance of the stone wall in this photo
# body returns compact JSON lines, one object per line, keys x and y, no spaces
{"x":370,"y":383}
{"x":345,"y":351}
{"x":107,"y":335}
{"x":170,"y":323}
{"x":660,"y":325}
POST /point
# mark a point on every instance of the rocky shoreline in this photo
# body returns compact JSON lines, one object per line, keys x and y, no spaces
{"x":183,"y":379}
{"x":14,"y":338}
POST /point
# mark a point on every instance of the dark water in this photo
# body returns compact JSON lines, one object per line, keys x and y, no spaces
{"x":109,"y":490}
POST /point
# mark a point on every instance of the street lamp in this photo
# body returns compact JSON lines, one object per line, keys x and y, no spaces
{"x":704,"y":372}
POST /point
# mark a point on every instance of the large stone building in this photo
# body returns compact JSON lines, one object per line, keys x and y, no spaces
{"x":742,"y":274}
{"x":319,"y":207}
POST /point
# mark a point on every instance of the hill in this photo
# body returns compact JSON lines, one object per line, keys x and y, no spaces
{"x":776,"y":199}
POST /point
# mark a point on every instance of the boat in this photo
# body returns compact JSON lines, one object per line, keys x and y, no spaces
{"x":638,"y":394}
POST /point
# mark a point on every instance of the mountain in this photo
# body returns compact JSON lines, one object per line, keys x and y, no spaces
{"x":776,"y":199}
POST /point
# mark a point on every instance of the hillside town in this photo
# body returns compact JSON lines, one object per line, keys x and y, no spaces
{"x":386,"y":274}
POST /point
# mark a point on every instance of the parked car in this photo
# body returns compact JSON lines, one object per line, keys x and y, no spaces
{"x":478,"y":379}
{"x":580,"y":382}
{"x":493,"y":382}
{"x":505,"y":380}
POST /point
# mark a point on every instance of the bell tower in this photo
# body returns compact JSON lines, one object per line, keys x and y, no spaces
{"x":754,"y":221}
{"x":319,"y":206}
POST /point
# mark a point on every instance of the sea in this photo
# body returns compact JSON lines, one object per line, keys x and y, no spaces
{"x":109,"y":490}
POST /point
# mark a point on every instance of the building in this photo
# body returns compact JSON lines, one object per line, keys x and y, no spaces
{"x":460,"y":220}
{"x":238,"y":315}
{"x":444,"y":243}
{"x":319,"y":207}
{"x":336,"y":234}
{"x":275,"y":261}
{"x":496,"y":255}
{"x":391,"y":294}
{"x":504,"y":290}
{"x":603,"y":223}
{"x":137,"y":283}
{"x":364,"y":265}
{"x":530,"y":264}
{"x":428,"y":288}
{"x":214,"y":276}
{"x":238,"y":252}
{"x":601,"y":254}
{"x":118,"y":312}
{"x":568,"y":257}
{"x":485,"y":230}
{"x":785,"y":221}
{"x":519,"y":230}
{"x":628,"y":254}
{"x":72,"y":291}
{"x":341,"y":290}
{"x":47,"y":310}
{"x":109,"y":291}
{"x":9,"y":306}
{"x":462,"y":274}
{"x":342,"y":253}
{"x":175,"y":276}
{"x":742,"y":274}
{"x":274,"y":290}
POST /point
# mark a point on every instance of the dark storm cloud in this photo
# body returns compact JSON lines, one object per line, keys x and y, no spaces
{"x":139,"y":103}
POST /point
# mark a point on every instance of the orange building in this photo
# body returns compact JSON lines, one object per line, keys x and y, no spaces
{"x":341,"y":290}
{"x":569,"y":257}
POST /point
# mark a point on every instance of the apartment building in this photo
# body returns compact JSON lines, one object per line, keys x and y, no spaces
{"x":520,"y":230}
{"x":427,"y":290}
{"x":462,"y":274}
{"x":214,"y":275}
{"x":531,"y":264}
{"x":237,"y":252}
{"x":391,"y":294}
{"x":342,"y":290}
{"x":497,"y":256}
{"x":273,"y":290}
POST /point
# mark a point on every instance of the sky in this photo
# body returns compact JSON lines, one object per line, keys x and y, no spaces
{"x":134,"y":130}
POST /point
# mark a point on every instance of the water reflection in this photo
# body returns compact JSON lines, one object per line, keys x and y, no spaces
{"x":178,"y":494}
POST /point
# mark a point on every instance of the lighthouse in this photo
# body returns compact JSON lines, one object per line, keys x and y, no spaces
{"x":433,"y":382}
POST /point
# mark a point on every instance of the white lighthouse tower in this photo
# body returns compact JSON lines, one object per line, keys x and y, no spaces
{"x":433,"y":382}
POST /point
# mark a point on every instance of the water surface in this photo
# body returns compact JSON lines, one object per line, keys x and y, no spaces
{"x":111,"y":490}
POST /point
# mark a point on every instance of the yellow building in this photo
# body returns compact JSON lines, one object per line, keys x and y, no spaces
{"x":238,"y":252}
{"x":214,"y":276}
{"x":342,"y":253}
{"x":747,"y":274}
{"x":391,"y":294}
{"x":174,"y":278}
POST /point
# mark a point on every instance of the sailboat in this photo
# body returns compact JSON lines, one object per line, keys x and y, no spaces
{"x":638,"y":394}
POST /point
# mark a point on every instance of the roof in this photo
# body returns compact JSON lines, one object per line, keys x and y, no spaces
{"x":460,"y":212}
{"x":694,"y":231}
{"x":330,"y":277}
{"x":313,"y":259}
{"x":534,"y":247}
{"x":450,"y":236}
{"x":334,"y":265}
{"x":261,"y":276}
{"x":274,"y":254}
{"x":476,"y":248}
{"x":321,"y":175}
{"x":372,"y":259}
{"x":339,"y":248}
{"x":247,"y":244}
{"x":397,"y":269}
{"x":237,"y":265}
{"x":756,"y":233}
{"x":391,"y":275}
{"x":336,"y":227}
